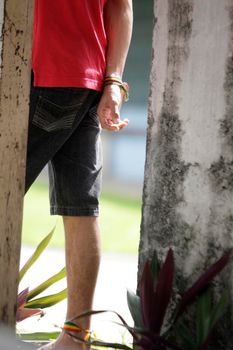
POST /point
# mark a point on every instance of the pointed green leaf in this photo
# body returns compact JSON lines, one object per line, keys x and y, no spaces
{"x":47,"y":301}
{"x":215,"y":315}
{"x":135,"y":308}
{"x":183,"y":332}
{"x":203,"y":316}
{"x":46,"y":284}
{"x":220,"y":308}
{"x":39,"y":336}
{"x":40,"y":248}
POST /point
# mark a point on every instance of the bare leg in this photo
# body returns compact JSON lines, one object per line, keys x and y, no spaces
{"x":82,"y":263}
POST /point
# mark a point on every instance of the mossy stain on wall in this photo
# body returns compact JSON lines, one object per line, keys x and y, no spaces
{"x":167,"y":171}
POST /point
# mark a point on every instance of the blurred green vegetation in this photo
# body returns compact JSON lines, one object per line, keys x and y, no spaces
{"x":120,"y":221}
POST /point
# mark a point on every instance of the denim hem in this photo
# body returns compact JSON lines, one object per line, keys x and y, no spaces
{"x":74,"y":211}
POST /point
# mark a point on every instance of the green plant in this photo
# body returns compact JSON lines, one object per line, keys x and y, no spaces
{"x":27,"y":303}
{"x":150,"y":309}
{"x":151,"y":306}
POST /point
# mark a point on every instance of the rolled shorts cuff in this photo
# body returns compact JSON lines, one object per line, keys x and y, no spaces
{"x":74,"y":211}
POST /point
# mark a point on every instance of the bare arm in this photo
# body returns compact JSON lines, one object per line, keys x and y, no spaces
{"x":118,"y":22}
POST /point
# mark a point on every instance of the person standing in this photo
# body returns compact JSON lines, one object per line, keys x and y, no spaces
{"x":78,"y":58}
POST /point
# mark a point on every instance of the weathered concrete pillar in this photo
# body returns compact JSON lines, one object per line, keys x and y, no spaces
{"x":16,"y":19}
{"x":188,"y":189}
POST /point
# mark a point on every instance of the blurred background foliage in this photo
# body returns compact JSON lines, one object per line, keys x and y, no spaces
{"x":120,"y":220}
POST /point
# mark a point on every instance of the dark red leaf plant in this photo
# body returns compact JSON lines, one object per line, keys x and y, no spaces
{"x":150,"y":308}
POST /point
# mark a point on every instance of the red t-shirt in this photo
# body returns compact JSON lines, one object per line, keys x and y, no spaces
{"x":69,"y":43}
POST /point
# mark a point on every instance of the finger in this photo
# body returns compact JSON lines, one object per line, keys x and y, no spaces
{"x":116,"y":114}
{"x":120,"y":125}
{"x":107,"y":122}
{"x":123,"y":125}
{"x":110,"y":126}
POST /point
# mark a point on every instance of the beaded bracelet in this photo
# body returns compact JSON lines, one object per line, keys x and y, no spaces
{"x":112,"y":80}
{"x":74,"y":328}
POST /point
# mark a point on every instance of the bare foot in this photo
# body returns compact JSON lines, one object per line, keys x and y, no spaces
{"x":65,"y":342}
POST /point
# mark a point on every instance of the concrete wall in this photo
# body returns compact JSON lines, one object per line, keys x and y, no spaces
{"x":188,"y":188}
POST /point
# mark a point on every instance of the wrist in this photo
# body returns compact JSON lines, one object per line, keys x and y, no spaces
{"x":115,"y":74}
{"x":111,"y":80}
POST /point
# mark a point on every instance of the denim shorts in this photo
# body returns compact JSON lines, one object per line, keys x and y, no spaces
{"x":64,"y":132}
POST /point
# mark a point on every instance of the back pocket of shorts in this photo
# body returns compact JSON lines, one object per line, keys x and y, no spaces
{"x":94,"y":116}
{"x":51,"y":117}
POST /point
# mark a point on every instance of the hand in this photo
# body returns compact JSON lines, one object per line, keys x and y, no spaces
{"x":109,"y":109}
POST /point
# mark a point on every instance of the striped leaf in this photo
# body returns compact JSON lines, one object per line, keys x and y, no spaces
{"x":40,"y":248}
{"x":33,"y":293}
{"x":39,"y":336}
{"x":47,"y":301}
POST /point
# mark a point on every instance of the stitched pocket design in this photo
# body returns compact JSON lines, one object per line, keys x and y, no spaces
{"x":51,"y":117}
{"x":94,"y":116}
